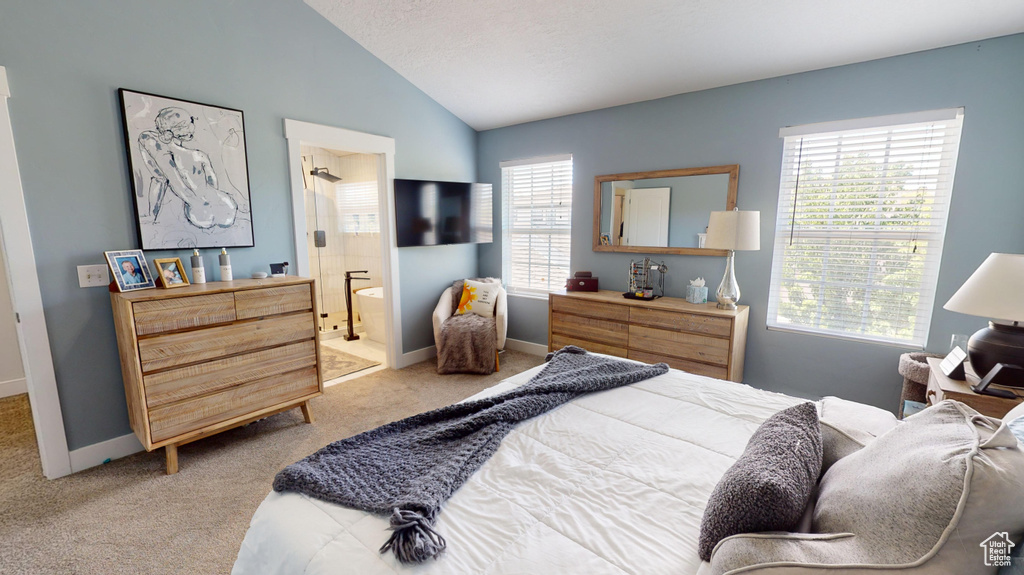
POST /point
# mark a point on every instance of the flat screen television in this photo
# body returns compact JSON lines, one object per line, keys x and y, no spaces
{"x":431,"y":213}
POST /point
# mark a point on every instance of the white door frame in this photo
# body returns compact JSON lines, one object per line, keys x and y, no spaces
{"x":304,"y":133}
{"x":28,"y":304}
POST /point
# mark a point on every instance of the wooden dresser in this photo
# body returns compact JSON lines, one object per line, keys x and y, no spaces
{"x":698,"y":338}
{"x":205,"y":358}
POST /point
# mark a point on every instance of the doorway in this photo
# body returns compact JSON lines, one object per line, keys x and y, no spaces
{"x":343,"y":237}
{"x":354,"y":174}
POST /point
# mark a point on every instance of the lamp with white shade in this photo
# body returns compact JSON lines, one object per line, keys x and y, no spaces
{"x":995,"y":291}
{"x":734,"y":230}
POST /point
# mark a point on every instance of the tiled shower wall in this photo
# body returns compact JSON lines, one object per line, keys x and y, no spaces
{"x":347,"y":249}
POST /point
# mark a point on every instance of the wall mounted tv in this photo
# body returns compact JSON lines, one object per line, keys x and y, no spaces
{"x":437,"y":213}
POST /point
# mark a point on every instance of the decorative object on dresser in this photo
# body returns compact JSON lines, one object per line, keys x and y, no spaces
{"x":210,"y":357}
{"x":129,"y":270}
{"x":941,"y":387}
{"x":733,"y":230}
{"x":700,"y":339}
{"x":643,"y":283}
{"x":170,"y":272}
{"x":581,"y":281}
{"x":995,"y":290}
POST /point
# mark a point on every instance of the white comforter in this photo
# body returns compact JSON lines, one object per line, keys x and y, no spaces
{"x":613,"y":482}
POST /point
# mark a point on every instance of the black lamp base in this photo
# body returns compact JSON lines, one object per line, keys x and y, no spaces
{"x":997,"y":343}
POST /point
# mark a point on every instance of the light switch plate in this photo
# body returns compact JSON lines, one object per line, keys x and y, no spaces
{"x":93,"y":276}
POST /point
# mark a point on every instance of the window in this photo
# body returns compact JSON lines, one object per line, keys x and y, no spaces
{"x":357,"y":206}
{"x":861,"y":219}
{"x":537,"y":214}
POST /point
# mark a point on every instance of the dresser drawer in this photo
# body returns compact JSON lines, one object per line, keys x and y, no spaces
{"x":591,"y":329}
{"x":694,"y":323}
{"x":172,"y":420}
{"x":177,"y":384}
{"x":560,"y":341}
{"x":272,"y":301}
{"x":177,"y":349}
{"x":589,"y":308}
{"x":679,"y":344}
{"x":183,"y":312}
{"x":698,"y":368}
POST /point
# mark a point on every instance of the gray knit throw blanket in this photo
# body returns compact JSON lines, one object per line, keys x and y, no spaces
{"x":409,"y":468}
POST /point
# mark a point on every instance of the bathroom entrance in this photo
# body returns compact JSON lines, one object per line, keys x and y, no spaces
{"x":343,"y":240}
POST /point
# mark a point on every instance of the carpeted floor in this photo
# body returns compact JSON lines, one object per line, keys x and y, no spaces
{"x":129,"y":517}
{"x":335,"y":363}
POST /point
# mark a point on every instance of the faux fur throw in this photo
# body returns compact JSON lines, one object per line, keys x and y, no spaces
{"x":409,"y":468}
{"x":468,"y":343}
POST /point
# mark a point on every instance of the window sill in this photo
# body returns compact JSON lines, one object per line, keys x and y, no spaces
{"x":539,"y":297}
{"x":904,"y":345}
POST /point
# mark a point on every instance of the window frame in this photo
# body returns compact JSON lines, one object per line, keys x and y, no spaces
{"x":507,"y":230}
{"x":938,"y":204}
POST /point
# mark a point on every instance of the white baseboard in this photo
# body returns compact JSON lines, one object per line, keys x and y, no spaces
{"x":13,"y":387}
{"x":98,"y":453}
{"x":526,"y":347}
{"x":407,"y":359}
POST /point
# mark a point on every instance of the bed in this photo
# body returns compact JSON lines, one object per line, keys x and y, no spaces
{"x":613,"y":482}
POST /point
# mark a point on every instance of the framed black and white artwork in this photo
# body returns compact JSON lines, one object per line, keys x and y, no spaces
{"x":189,"y":173}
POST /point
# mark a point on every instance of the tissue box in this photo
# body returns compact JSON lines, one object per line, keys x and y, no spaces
{"x":697,"y":294}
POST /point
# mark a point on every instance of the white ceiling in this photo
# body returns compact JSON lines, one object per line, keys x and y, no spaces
{"x":495,"y":63}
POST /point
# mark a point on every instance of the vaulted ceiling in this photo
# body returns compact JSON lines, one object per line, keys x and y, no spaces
{"x":495,"y":63}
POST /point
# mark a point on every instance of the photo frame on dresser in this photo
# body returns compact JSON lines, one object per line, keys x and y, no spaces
{"x":170,"y":273}
{"x":189,"y":172}
{"x":129,"y":270}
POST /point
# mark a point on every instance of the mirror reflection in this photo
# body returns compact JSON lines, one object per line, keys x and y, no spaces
{"x":667,"y":210}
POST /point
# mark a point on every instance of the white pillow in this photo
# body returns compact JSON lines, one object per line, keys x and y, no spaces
{"x":1015,"y":413}
{"x":478,"y":298}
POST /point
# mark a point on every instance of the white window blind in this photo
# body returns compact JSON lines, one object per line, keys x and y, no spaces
{"x":536,"y":214}
{"x":357,"y":206}
{"x":861,"y":219}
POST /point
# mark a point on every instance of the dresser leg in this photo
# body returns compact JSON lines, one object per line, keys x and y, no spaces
{"x":307,"y":412}
{"x":497,"y":363}
{"x":171,"y":450}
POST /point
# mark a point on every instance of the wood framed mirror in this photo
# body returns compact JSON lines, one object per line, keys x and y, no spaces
{"x":661,"y":212}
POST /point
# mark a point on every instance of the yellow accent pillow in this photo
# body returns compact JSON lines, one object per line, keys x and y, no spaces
{"x":478,"y":298}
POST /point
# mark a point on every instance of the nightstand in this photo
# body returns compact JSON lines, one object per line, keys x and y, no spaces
{"x":941,"y":387}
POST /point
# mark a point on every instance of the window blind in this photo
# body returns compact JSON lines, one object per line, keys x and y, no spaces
{"x":357,"y":206}
{"x":859,"y":233}
{"x":537,"y":214}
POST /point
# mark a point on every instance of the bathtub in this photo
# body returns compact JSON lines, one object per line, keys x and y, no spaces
{"x":371,"y":311}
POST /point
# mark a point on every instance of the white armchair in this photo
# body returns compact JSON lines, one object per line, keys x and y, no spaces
{"x":443,"y":311}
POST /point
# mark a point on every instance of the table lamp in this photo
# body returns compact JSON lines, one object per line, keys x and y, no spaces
{"x":732,"y":231}
{"x":995,"y":290}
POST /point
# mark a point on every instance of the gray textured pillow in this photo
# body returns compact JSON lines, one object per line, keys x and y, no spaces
{"x":768,"y":487}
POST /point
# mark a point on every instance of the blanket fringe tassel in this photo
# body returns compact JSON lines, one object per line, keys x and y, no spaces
{"x":412,"y":538}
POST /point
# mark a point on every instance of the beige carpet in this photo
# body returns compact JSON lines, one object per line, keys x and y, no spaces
{"x":128,"y":517}
{"x":335,"y":363}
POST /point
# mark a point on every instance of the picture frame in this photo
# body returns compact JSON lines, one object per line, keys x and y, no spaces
{"x":129,"y":270}
{"x":170,"y":272}
{"x":189,"y":172}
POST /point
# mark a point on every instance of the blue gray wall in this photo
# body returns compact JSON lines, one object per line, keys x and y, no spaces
{"x":273,"y":59}
{"x":740,"y":125}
